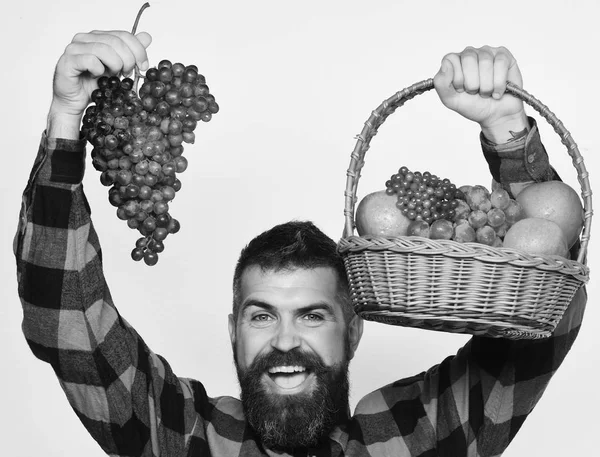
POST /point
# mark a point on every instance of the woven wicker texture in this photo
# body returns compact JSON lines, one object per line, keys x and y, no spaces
{"x":459,"y":287}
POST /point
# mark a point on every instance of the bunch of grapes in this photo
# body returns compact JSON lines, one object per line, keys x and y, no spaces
{"x":424,"y":196}
{"x":485,"y":217}
{"x":138,"y":145}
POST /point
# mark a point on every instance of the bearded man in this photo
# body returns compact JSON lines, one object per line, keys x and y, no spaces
{"x":293,"y":333}
{"x":292,"y":329}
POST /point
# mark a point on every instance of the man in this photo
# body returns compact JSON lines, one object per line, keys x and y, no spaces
{"x":292,"y":330}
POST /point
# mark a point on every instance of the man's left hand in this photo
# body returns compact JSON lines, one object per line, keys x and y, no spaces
{"x":473,"y":83}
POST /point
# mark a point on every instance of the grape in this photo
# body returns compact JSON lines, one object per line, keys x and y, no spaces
{"x":156,"y":246}
{"x":177,"y":69}
{"x":138,"y":253}
{"x":514,"y":212}
{"x":441,"y":229}
{"x":478,"y":219}
{"x":441,"y":210}
{"x":162,"y":220}
{"x":160,"y":233}
{"x":496,"y":217}
{"x":500,"y":198}
{"x":423,"y":196}
{"x":501,"y":230}
{"x":486,"y":235}
{"x":503,"y":212}
{"x":137,"y":139}
{"x":150,"y":257}
{"x":464,"y":232}
{"x":173,"y":226}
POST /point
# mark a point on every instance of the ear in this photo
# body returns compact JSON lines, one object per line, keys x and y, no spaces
{"x":355,"y":331}
{"x":231,"y":325}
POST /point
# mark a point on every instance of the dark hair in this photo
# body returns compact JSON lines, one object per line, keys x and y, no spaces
{"x":291,"y":245}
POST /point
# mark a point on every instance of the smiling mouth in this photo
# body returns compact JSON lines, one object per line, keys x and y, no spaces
{"x":289,"y":378}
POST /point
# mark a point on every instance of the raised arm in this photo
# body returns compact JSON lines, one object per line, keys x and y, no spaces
{"x":475,"y":402}
{"x":496,"y":383}
{"x":125,"y":395}
{"x":473,"y":83}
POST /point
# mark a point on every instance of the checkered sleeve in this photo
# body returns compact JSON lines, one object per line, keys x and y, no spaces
{"x":518,"y":162}
{"x":126,"y":396}
{"x":473,"y":403}
{"x":485,"y":392}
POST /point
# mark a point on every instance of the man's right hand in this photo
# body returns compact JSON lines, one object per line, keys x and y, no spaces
{"x":86,"y":58}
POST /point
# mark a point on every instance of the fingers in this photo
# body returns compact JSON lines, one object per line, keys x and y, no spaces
{"x":135,"y":44}
{"x":119,"y":51}
{"x":469,"y":61}
{"x":112,"y":61}
{"x":484,"y":71}
{"x":88,"y":62}
{"x":500,"y":76}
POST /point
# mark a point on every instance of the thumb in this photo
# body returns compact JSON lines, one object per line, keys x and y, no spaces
{"x":446,"y":67}
{"x":144,"y":38}
{"x":443,"y":79}
{"x":514,"y":75}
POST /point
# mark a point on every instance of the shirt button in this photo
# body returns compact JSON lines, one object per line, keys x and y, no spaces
{"x":530,"y":158}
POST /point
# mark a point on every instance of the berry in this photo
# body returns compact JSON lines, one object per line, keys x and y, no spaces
{"x":423,"y":196}
{"x":138,"y":145}
{"x":441,"y":210}
{"x":482,"y":213}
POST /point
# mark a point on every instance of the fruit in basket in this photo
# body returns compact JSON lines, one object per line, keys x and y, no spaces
{"x":464,"y":233}
{"x":501,"y":230}
{"x":418,"y":228}
{"x":462,"y":210}
{"x":478,"y":198}
{"x":485,"y":235}
{"x":428,"y":206}
{"x":442,"y":229}
{"x":378,"y":215}
{"x":536,"y":235}
{"x":499,"y":198}
{"x":423,"y":196}
{"x":138,"y":142}
{"x":555,"y":201}
{"x":496,"y":217}
{"x":513,"y":212}
{"x":489,"y":214}
{"x":477,"y":218}
{"x":465,"y":188}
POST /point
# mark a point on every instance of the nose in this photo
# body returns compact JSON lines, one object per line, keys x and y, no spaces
{"x":286,"y":337}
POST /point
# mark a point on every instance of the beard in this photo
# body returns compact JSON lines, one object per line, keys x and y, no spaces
{"x":285,"y":422}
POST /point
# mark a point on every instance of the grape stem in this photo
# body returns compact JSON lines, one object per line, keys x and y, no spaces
{"x":135,"y":24}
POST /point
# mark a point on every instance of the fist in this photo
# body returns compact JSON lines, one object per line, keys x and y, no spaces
{"x":473,"y":83}
{"x":89,"y":56}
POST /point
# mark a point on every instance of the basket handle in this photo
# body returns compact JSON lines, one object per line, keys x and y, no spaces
{"x":380,"y":114}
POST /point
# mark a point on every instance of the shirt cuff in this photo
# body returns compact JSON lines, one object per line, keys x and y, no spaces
{"x":522,"y":160}
{"x":62,"y":161}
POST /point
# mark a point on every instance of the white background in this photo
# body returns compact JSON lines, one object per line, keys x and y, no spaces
{"x":295,"y":82}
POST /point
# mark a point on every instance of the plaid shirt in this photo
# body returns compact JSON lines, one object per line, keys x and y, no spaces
{"x":130,"y":401}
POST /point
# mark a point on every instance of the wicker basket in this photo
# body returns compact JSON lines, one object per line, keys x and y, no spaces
{"x":459,"y":287}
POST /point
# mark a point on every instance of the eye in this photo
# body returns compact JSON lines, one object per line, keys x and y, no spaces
{"x":313,"y":317}
{"x":262,"y":317}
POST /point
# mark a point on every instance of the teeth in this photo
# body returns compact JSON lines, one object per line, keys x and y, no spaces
{"x":287,"y":369}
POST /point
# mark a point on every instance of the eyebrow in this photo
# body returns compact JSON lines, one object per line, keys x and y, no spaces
{"x":323,"y":306}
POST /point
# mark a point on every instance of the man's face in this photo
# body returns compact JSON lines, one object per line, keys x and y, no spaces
{"x":292,"y":347}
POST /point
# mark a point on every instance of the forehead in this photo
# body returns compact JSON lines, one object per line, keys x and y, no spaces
{"x":290,"y":287}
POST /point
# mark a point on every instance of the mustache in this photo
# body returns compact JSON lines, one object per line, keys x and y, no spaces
{"x":294,"y":356}
{"x":285,"y":423}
